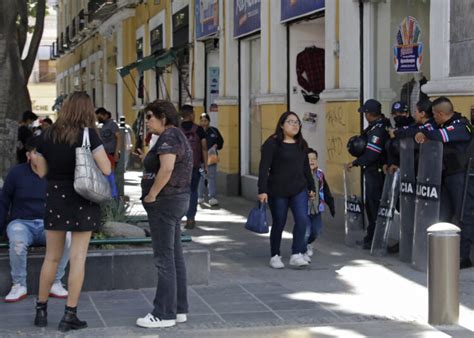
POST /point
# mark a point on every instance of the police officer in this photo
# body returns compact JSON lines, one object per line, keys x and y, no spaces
{"x":372,"y":161}
{"x":455,"y":132}
{"x":402,"y":118}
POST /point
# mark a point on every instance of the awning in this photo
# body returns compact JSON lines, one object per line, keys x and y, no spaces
{"x":125,"y":70}
{"x":149,"y":62}
{"x":166,"y":59}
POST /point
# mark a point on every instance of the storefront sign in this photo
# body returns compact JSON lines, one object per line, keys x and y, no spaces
{"x":293,"y":9}
{"x":408,"y":51}
{"x":207,"y":18}
{"x":246,"y":17}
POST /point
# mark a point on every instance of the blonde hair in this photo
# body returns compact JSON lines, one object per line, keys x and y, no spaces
{"x":76,"y":114}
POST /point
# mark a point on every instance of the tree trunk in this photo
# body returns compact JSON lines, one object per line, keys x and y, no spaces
{"x":14,"y":95}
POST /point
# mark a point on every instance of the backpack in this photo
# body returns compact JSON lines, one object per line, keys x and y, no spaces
{"x":195,"y":143}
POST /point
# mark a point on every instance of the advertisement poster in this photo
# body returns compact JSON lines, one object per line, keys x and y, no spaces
{"x":207,"y":18}
{"x":212,"y":85}
{"x":292,"y":9}
{"x":408,"y":50}
{"x":246,"y":17}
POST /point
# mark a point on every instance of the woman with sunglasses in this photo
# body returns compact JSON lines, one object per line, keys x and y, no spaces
{"x":285,"y":182}
{"x":165,"y":196}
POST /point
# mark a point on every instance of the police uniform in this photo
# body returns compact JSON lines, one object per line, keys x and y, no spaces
{"x":372,"y":161}
{"x":456,"y":135}
{"x":392,"y":146}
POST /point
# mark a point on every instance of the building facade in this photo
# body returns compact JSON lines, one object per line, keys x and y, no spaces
{"x":247,"y":61}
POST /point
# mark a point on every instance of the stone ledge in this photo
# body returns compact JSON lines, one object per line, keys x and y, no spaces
{"x":115,"y":269}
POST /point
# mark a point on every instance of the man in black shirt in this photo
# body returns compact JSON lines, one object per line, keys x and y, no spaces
{"x":372,"y":161}
{"x":197,"y":139}
{"x":24,"y":133}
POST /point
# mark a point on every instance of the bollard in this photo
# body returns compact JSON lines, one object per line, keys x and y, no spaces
{"x":443,"y":274}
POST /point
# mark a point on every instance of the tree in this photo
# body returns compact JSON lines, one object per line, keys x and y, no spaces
{"x":15,"y":71}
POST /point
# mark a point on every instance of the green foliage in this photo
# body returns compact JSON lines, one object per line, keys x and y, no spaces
{"x":31,"y":6}
{"x":114,"y":211}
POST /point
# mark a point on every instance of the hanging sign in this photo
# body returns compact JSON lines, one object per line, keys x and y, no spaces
{"x":207,"y":18}
{"x":408,"y":51}
{"x":293,"y":9}
{"x":246,"y":17}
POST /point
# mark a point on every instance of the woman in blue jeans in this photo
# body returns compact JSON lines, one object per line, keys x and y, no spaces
{"x":165,"y":195}
{"x":286,"y":182}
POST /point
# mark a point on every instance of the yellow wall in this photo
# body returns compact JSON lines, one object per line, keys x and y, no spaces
{"x":228,"y":126}
{"x":342,"y":122}
{"x":270,"y":115}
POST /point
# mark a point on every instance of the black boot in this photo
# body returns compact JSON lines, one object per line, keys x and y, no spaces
{"x":41,"y":318}
{"x":70,"y":320}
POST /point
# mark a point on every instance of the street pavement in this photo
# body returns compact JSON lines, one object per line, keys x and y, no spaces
{"x":345,"y":292}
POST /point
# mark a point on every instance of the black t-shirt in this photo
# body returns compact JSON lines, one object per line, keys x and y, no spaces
{"x":186,"y":125}
{"x":171,"y":141}
{"x":61,"y":157}
{"x":284,"y":169}
{"x":24,"y":133}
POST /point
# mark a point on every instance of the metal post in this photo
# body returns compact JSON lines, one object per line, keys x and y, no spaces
{"x":443,"y":274}
{"x":120,"y":170}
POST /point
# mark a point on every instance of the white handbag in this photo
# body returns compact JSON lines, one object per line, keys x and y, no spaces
{"x":89,"y":181}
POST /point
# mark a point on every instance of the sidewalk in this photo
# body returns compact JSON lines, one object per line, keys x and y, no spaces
{"x":344,"y":293}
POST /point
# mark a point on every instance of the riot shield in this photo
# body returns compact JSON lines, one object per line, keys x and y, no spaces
{"x":354,"y":211}
{"x":407,"y":198}
{"x":428,"y":194}
{"x":385,"y":214}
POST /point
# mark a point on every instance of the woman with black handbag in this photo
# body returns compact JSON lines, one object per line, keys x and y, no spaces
{"x":285,"y":181}
{"x":65,"y":209}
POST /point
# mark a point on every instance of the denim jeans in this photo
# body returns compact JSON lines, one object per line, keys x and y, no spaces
{"x":279,"y":208}
{"x":193,"y":198}
{"x":211,"y":183}
{"x":313,"y":230}
{"x":164,"y":216}
{"x":21,"y":235}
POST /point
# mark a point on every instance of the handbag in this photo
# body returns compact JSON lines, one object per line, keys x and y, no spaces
{"x":257,"y":220}
{"x":89,"y":181}
{"x":212,"y":157}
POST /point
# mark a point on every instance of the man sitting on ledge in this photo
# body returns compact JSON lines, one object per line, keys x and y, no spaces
{"x":22,"y":201}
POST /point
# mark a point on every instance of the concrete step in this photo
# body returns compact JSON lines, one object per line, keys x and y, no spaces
{"x":116,"y":269}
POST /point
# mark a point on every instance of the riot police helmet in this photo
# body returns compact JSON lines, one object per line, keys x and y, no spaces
{"x":356,"y":145}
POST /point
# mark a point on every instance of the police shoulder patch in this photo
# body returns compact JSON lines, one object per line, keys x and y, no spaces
{"x":375,"y":139}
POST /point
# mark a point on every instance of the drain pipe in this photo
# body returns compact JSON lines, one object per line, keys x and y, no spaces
{"x":361,"y":92}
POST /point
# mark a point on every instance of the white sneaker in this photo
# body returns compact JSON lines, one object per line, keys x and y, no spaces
{"x":200,"y":200}
{"x":306,"y":257}
{"x":58,"y":290}
{"x":213,"y":202}
{"x":150,"y":321}
{"x":17,"y":293}
{"x":298,"y":260}
{"x":181,"y":318}
{"x":309,"y":250}
{"x":276,"y":263}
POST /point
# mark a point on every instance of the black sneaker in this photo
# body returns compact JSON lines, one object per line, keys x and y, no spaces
{"x":465,"y":263}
